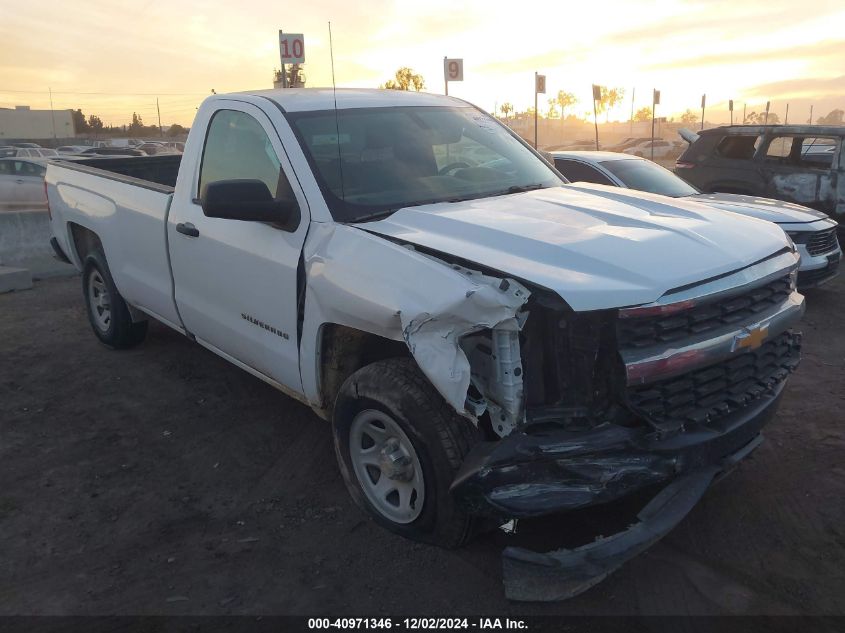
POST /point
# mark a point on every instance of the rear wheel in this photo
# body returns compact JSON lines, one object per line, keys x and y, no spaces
{"x":107,"y":311}
{"x":399,"y":445}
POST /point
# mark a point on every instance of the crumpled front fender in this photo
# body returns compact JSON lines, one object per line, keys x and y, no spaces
{"x":366,"y":282}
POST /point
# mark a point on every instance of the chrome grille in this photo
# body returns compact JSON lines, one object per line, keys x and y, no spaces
{"x":822,"y":242}
{"x":640,"y":332}
{"x":704,"y":395}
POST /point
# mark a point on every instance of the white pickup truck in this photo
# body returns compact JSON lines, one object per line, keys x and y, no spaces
{"x":487,"y":340}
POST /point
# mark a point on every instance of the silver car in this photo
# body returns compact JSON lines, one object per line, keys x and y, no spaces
{"x":22,"y":183}
{"x":813,"y":232}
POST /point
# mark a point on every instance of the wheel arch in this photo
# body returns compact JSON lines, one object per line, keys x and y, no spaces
{"x":342,"y":350}
{"x":83,"y":240}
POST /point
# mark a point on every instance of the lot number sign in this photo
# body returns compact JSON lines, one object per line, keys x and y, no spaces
{"x":453,"y":69}
{"x":292,"y":48}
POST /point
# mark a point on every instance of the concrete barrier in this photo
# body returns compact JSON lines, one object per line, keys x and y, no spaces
{"x":25,"y":243}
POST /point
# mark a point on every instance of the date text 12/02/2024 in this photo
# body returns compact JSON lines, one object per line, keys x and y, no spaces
{"x":413,"y":624}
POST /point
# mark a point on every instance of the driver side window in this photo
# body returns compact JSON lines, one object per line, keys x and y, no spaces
{"x":237,"y":148}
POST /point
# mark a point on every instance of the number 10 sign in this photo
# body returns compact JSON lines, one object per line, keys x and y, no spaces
{"x":292,"y":48}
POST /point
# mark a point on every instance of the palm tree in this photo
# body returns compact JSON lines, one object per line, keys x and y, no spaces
{"x":610,"y":99}
{"x":506,"y":109}
{"x":564,"y":100}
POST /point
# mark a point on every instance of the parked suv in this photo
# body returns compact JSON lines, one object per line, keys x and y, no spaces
{"x":796,"y":163}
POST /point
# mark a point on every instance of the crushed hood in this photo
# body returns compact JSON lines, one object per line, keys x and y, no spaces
{"x":603,"y":248}
{"x":763,"y":208}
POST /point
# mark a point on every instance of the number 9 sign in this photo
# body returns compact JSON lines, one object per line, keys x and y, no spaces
{"x":453,"y":69}
{"x":292,"y":48}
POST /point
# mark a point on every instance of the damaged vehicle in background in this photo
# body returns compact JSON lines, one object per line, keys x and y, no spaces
{"x":813,"y":233}
{"x":796,"y":163}
{"x":488,"y":342}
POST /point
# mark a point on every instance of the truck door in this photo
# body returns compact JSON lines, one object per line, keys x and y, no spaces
{"x":236,"y":281}
{"x":800,"y":169}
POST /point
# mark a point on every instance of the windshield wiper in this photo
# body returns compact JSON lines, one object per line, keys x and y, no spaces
{"x":380,"y":215}
{"x":523,"y":188}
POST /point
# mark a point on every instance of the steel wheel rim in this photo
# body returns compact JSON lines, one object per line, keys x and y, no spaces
{"x":387,"y":466}
{"x":99,"y":300}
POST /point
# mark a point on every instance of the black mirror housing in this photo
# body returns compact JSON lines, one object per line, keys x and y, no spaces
{"x":248,"y":201}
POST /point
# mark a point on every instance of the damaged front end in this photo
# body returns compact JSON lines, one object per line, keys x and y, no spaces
{"x":578,"y":408}
{"x":591,"y":407}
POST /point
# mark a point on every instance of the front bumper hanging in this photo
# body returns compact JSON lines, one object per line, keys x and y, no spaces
{"x":565,"y":573}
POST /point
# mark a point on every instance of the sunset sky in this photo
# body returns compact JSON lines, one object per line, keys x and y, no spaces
{"x":113,"y":57}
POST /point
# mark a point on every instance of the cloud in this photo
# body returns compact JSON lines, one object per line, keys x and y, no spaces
{"x":811,"y":52}
{"x":801,"y":88}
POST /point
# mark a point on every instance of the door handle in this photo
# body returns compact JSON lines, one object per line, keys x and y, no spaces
{"x":187,"y":229}
{"x":19,"y":181}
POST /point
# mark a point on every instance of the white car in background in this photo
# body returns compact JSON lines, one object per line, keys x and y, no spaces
{"x":662,"y":149}
{"x":813,"y":232}
{"x":22,"y":183}
{"x":36,"y":152}
{"x":70,"y":150}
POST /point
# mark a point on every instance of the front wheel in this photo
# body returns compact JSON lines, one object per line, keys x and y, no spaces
{"x":107,"y":311}
{"x":399,"y":445}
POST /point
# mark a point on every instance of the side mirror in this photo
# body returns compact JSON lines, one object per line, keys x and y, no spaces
{"x":249,"y":201}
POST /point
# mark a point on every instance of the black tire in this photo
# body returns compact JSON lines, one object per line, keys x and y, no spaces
{"x":440,"y":437}
{"x":120,"y":332}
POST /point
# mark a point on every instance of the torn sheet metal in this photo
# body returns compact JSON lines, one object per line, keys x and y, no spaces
{"x":360,"y":280}
{"x":434,"y":339}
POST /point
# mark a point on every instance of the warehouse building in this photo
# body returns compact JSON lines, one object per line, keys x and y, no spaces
{"x":25,"y":124}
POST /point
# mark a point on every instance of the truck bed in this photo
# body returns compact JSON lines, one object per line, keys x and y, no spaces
{"x":152,"y":172}
{"x":125,"y":202}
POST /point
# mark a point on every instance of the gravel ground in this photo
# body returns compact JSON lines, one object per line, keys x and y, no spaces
{"x":163,"y":480}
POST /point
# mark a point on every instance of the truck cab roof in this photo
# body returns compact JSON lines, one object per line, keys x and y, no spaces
{"x":313,"y":99}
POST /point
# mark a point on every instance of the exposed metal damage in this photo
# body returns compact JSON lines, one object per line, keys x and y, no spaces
{"x":489,"y":360}
{"x":460,"y":325}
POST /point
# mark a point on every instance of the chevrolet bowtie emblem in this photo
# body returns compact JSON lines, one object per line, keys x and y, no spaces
{"x":750,"y":338}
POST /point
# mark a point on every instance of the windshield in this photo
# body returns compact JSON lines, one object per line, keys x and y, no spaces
{"x":643,"y":175}
{"x":389,"y":158}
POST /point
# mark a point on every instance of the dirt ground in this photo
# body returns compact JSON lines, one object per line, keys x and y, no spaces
{"x":163,"y":480}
